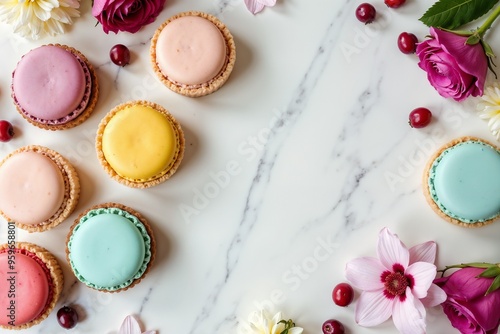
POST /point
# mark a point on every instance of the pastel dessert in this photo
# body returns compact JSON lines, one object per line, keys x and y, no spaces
{"x":54,"y":87}
{"x":140,"y":144}
{"x":30,"y":284}
{"x":461,"y":182}
{"x":110,"y":247}
{"x":193,"y":53}
{"x":39,"y":188}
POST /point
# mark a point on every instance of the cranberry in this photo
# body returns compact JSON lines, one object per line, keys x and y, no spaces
{"x":120,"y":55}
{"x":394,"y":3}
{"x":67,"y":317}
{"x":420,"y":118}
{"x":366,"y":13}
{"x":6,"y":131}
{"x":333,"y":326}
{"x":342,"y":294}
{"x":407,"y":42}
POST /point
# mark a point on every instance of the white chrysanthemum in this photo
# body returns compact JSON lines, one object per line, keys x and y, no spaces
{"x":36,"y":18}
{"x":262,"y":323}
{"x":489,"y":108}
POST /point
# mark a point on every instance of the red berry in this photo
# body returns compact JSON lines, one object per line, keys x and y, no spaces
{"x":366,"y":13}
{"x":407,"y":42}
{"x":333,"y":326}
{"x":120,"y":55}
{"x":6,"y":131}
{"x":342,"y":294}
{"x":420,"y":118}
{"x":67,"y":317}
{"x":394,"y":3}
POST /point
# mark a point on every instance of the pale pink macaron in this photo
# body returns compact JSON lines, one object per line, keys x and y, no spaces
{"x":193,"y":53}
{"x":39,"y":188}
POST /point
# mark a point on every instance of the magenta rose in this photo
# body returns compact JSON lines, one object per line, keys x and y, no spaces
{"x":467,"y":307}
{"x":455,"y":69}
{"x":126,"y":15}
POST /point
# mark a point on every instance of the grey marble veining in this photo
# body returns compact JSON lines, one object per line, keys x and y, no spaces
{"x":313,"y":121}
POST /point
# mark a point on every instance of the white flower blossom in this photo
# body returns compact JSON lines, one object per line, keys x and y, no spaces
{"x":489,"y":108}
{"x":263,"y":323}
{"x":37,"y":18}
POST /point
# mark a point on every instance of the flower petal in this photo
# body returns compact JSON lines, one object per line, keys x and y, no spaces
{"x":295,"y":330}
{"x":435,"y":296}
{"x":364,"y":273}
{"x":277,"y":317}
{"x":130,"y":326}
{"x":409,"y":315}
{"x":98,"y":7}
{"x":268,"y":3}
{"x":274,"y":327}
{"x":462,"y":318}
{"x":470,"y":58}
{"x":254,"y":6}
{"x":26,"y":15}
{"x":149,"y":332}
{"x":47,"y":5}
{"x":373,"y":308}
{"x":463,"y":284}
{"x":466,"y":289}
{"x":423,"y":274}
{"x":391,"y":250}
{"x":262,"y":321}
{"x":425,"y":252}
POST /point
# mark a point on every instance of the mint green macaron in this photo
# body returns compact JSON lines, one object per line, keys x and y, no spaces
{"x":110,"y":247}
{"x":463,"y":182}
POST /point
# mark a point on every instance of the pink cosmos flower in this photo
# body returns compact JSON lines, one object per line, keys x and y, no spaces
{"x":256,"y":6}
{"x":398,"y":283}
{"x":131,"y":326}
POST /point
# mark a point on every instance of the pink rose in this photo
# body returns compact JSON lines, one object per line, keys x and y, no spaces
{"x":126,"y":15}
{"x":467,"y":307}
{"x":455,"y":69}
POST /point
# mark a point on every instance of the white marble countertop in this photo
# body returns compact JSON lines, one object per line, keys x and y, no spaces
{"x":315,"y":134}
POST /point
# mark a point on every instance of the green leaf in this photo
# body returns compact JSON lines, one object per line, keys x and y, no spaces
{"x":495,"y":285}
{"x":473,"y":39}
{"x":475,"y":265}
{"x":484,"y":265}
{"x":490,"y":272}
{"x":451,"y":14}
